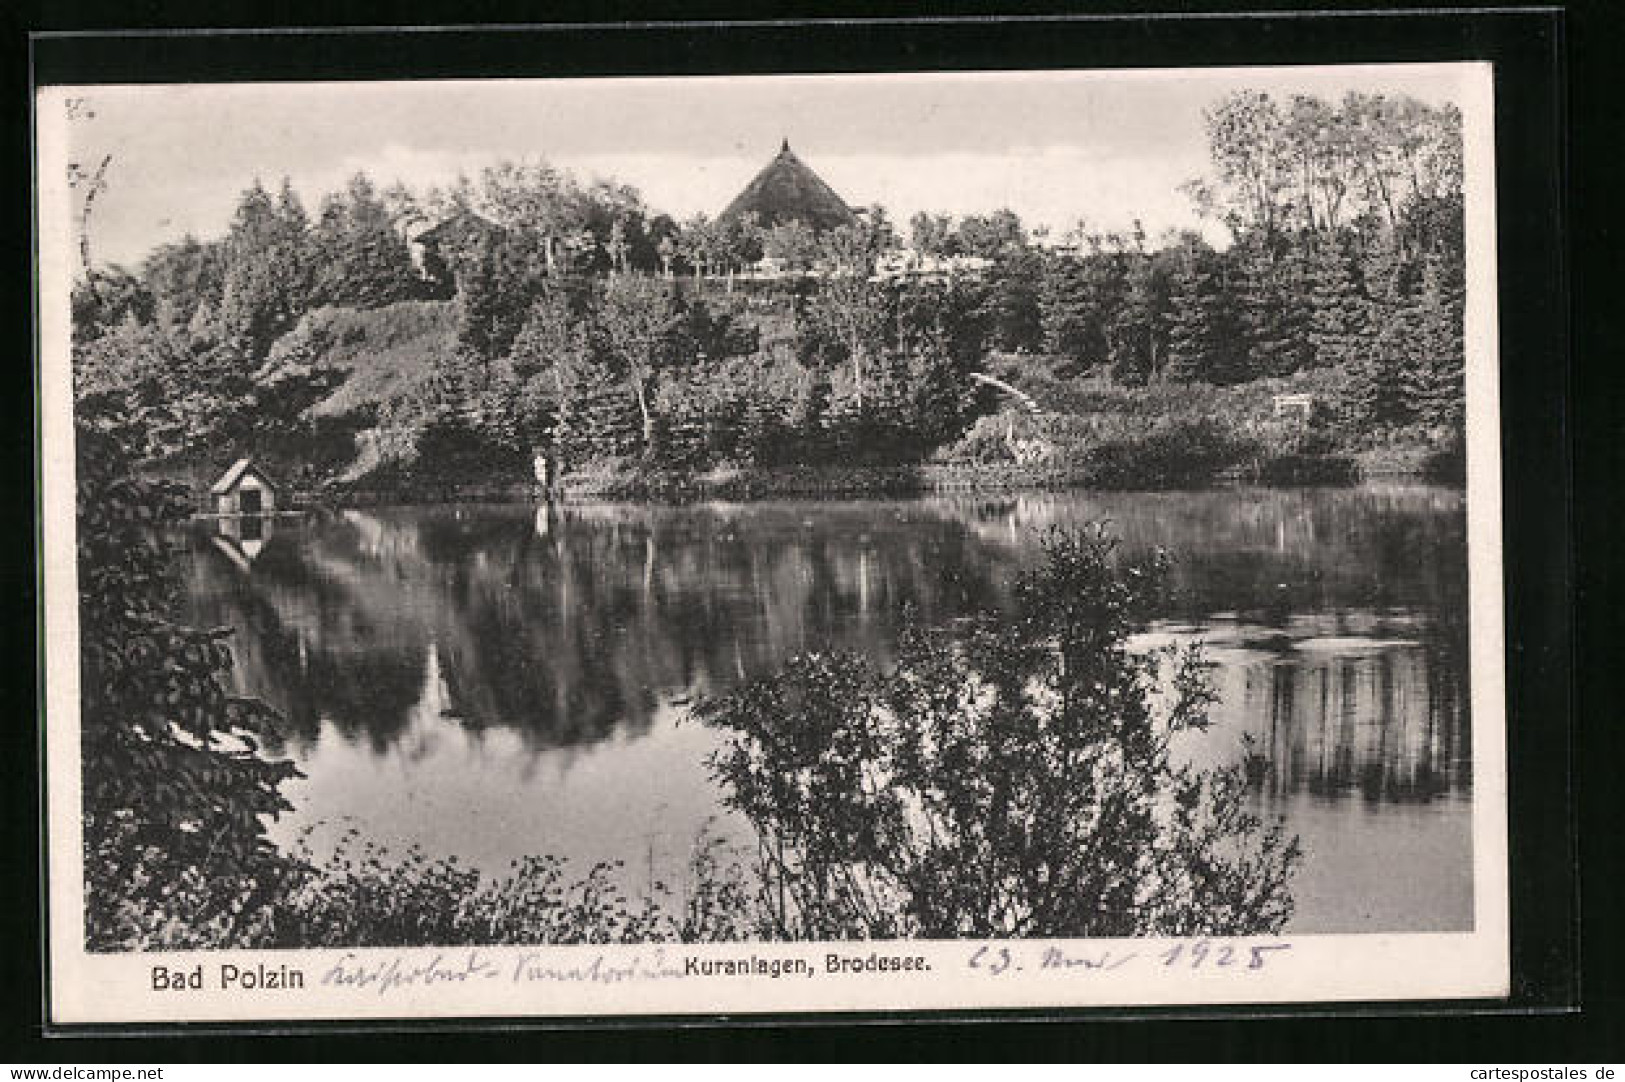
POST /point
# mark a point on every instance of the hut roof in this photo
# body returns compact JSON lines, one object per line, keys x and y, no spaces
{"x":234,"y":476}
{"x":787,"y":190}
{"x":461,"y":225}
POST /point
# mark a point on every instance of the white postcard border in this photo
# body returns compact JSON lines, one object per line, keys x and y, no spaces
{"x":602,"y":981}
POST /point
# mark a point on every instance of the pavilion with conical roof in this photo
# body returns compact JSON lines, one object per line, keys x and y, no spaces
{"x":787,"y":190}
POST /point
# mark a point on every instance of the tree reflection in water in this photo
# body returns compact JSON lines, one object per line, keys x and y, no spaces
{"x":1337,"y":617}
{"x":573,"y":627}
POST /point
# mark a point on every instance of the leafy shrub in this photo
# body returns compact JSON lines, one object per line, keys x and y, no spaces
{"x":1173,"y":451}
{"x":1435,"y":451}
{"x":363,"y":896}
{"x":986,"y":442}
{"x":1013,"y":778}
{"x":175,"y":794}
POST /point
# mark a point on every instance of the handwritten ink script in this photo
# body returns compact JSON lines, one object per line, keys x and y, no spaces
{"x":474,"y":967}
{"x":451,"y":968}
{"x":997,"y":960}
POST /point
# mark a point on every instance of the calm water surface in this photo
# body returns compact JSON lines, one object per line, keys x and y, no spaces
{"x":490,"y":681}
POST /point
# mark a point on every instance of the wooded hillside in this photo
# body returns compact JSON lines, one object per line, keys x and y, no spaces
{"x":587,"y":326}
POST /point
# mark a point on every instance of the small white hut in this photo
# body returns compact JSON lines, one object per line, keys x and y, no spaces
{"x":244,"y":490}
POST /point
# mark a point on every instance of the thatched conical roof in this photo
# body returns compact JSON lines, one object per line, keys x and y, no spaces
{"x":789,"y":191}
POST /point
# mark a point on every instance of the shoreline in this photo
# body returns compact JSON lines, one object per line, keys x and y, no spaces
{"x":859,"y":482}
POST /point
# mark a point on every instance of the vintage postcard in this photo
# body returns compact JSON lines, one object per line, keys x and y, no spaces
{"x":761,"y":545}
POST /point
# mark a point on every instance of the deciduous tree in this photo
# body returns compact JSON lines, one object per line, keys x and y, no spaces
{"x":636,"y":318}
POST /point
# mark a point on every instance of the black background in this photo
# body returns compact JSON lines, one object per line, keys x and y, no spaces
{"x":1560,"y":427}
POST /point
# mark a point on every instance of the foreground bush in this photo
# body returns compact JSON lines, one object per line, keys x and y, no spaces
{"x":1014,"y":778}
{"x":363,"y":896}
{"x":175,"y":796}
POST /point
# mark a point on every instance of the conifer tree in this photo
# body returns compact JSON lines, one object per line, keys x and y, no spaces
{"x":1380,"y":363}
{"x":497,"y":282}
{"x":267,"y":265}
{"x":1388,"y":275}
{"x":1375,"y":387}
{"x":604,"y":421}
{"x":1137,"y":343}
{"x":1203,"y":333}
{"x":1432,"y":385}
{"x":1062,"y":314}
{"x":1014,"y":306}
{"x":480,"y":310}
{"x":1273,"y":308}
{"x":1338,"y":326}
{"x":183,"y":277}
{"x":294,"y":248}
{"x":362,"y":260}
{"x":1190,"y":319}
{"x":1077,"y":304}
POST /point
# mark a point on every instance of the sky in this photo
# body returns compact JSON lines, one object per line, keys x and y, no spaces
{"x":1056,"y":147}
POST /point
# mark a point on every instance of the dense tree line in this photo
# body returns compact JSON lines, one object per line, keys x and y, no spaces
{"x":1347,"y":252}
{"x":592,"y":328}
{"x":1269,"y":306}
{"x":664,"y":372}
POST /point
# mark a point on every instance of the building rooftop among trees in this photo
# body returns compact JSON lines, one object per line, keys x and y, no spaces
{"x":244,"y":489}
{"x":787,"y":190}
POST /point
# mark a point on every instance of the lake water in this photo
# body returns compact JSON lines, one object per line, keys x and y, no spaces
{"x":490,"y":681}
